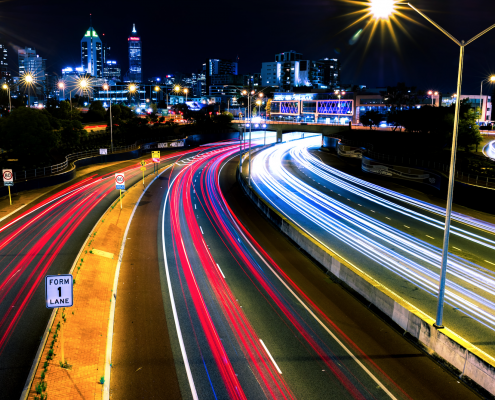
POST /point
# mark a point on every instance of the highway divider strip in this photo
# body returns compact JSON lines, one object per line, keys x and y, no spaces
{"x":459,"y":354}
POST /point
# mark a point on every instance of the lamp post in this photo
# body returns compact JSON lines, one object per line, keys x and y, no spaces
{"x":431,"y":93}
{"x":7,"y":88}
{"x":339,"y":94}
{"x":29,"y":79}
{"x":445,"y":249}
{"x":61,"y":85}
{"x":251,"y":95}
{"x":84,"y":85}
{"x":491,"y":79}
{"x":186,"y":90}
{"x":106,"y":87}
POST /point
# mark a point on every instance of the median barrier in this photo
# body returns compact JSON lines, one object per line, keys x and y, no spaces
{"x":463,"y":357}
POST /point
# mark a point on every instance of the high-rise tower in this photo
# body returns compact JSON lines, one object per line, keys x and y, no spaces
{"x":91,"y":53}
{"x":135,"y":72}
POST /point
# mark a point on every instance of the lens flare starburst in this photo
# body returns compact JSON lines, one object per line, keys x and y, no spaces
{"x":383,"y":15}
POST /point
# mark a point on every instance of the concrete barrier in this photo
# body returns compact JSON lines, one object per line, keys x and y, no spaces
{"x":444,"y":344}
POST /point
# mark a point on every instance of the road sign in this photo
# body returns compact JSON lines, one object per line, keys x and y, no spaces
{"x":8,"y":177}
{"x":143,"y":169}
{"x":143,"y":163}
{"x":155,"y":155}
{"x":59,"y":291}
{"x":120,"y":181}
{"x":104,"y":152}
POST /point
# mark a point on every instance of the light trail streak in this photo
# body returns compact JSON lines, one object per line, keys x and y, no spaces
{"x":401,"y":253}
{"x":31,"y":243}
{"x":211,"y":200}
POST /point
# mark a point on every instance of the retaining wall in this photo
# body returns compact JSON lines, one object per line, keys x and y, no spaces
{"x":442,"y":343}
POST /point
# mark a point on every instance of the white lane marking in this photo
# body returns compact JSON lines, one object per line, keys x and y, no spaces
{"x":315,"y":316}
{"x":271,"y":358}
{"x":489,"y":262}
{"x":221,"y":271}
{"x":407,"y":227}
{"x":388,"y":218}
{"x":201,"y":230}
{"x":172,"y":301}
{"x":371,"y":210}
{"x":431,"y":237}
{"x":195,"y":206}
{"x":456,"y":248}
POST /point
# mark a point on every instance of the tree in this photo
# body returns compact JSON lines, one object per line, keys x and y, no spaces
{"x":268,"y":108}
{"x":28,"y":134}
{"x":371,"y":118}
{"x":255,"y":112}
{"x":469,"y":131}
{"x":96,"y":112}
{"x":72,"y":132}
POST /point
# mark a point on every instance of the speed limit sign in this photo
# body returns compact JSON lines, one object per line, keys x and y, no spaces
{"x":120,"y":181}
{"x":8,"y":177}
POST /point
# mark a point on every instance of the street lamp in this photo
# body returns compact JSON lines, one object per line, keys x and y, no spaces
{"x":491,"y":79}
{"x":61,"y":86}
{"x":106,"y":87}
{"x":7,"y":88}
{"x":186,"y":90}
{"x":28,"y":80}
{"x":157,"y":89}
{"x":445,"y":250}
{"x":83,"y":85}
{"x":132,"y":88}
{"x":431,"y":93}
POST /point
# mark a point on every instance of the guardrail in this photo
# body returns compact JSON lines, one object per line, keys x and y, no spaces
{"x":57,"y":168}
{"x":271,"y":122}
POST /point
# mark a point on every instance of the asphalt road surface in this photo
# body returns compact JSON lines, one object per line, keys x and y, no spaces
{"x":250,"y":323}
{"x":45,"y":238}
{"x":394,"y":238}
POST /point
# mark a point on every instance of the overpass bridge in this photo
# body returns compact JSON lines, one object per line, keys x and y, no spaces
{"x":281,"y":127}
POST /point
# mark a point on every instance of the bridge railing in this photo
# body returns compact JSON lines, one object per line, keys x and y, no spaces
{"x":56,"y":168}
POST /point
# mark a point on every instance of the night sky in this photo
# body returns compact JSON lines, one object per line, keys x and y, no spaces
{"x":177,"y":36}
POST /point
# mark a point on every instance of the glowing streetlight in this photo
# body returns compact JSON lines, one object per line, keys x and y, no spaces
{"x":28,"y":79}
{"x":7,"y":88}
{"x":445,"y":250}
{"x":382,"y":9}
{"x":186,"y":90}
{"x":431,"y":93}
{"x":491,"y":79}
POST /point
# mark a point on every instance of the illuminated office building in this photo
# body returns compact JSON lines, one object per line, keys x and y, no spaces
{"x":135,"y":72}
{"x":92,"y":53}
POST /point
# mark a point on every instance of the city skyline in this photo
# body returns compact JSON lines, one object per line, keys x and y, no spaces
{"x":425,"y":59}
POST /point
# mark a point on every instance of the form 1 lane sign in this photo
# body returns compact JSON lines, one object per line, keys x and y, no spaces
{"x":120,"y":181}
{"x":59,"y":291}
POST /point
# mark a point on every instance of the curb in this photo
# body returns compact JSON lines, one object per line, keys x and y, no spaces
{"x":111,"y":318}
{"x":460,"y":355}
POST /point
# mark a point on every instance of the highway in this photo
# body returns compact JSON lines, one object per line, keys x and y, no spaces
{"x":394,"y":238}
{"x":42,"y":239}
{"x":241,"y":327}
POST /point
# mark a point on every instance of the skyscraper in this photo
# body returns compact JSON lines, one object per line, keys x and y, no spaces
{"x":135,"y":72}
{"x":4,"y":72}
{"x":92,"y":53}
{"x":31,"y":62}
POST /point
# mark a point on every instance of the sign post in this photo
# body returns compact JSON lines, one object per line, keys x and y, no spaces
{"x":143,"y":168}
{"x":155,"y":155}
{"x":120,"y":184}
{"x":8,"y":180}
{"x":103,"y":152}
{"x":59,"y":293}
